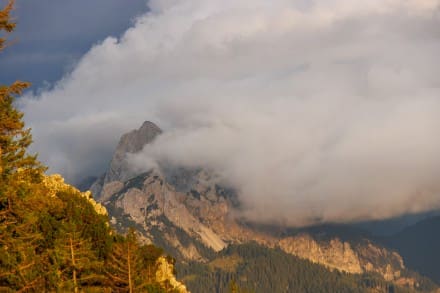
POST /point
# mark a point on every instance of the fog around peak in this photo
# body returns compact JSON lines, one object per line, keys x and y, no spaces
{"x":312,"y":110}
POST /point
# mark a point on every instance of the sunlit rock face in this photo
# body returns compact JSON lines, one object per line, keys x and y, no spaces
{"x":55,"y":183}
{"x":355,"y":258}
{"x":191,"y":215}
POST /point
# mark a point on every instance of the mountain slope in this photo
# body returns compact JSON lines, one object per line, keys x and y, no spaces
{"x":255,"y":268}
{"x":192,"y":216}
{"x":419,"y":245}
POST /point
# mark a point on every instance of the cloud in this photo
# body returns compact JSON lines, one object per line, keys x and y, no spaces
{"x":313,"y":110}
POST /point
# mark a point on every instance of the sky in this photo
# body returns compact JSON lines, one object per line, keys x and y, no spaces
{"x":314,"y":111}
{"x":52,"y":35}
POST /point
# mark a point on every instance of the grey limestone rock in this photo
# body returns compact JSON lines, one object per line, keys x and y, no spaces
{"x":131,"y":142}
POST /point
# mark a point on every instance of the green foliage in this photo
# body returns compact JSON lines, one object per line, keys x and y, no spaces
{"x":75,"y":262}
{"x":14,"y":138}
{"x":18,"y":236}
{"x":61,"y":242}
{"x":131,"y":267}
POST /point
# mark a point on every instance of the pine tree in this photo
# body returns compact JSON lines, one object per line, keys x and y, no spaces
{"x":131,"y":267}
{"x":14,"y":138}
{"x":19,"y":268}
{"x":6,"y":24}
{"x":17,"y":168}
{"x":75,"y":261}
{"x":121,"y":265}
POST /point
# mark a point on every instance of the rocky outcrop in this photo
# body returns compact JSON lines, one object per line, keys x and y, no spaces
{"x":372,"y":260}
{"x":154,"y":205}
{"x":335,"y":254}
{"x":55,"y":183}
{"x":165,"y":276}
{"x":362,"y":257}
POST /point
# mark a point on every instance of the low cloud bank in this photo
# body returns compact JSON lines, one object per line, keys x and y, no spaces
{"x":313,"y":110}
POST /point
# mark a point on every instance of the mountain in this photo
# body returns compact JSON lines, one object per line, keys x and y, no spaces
{"x":392,"y":226}
{"x":419,"y":244}
{"x":131,"y":142}
{"x":192,"y":216}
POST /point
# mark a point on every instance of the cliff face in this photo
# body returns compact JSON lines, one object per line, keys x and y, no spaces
{"x":131,"y":142}
{"x":192,"y":224}
{"x":334,"y":254}
{"x":357,"y":258}
{"x":191,"y":216}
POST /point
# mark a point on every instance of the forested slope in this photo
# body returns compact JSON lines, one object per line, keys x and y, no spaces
{"x":255,"y":268}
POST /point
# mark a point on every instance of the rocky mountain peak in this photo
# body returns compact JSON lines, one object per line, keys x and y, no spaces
{"x":134,"y":141}
{"x":130,"y":142}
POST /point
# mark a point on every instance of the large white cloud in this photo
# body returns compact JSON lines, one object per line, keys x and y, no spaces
{"x":314,"y":110}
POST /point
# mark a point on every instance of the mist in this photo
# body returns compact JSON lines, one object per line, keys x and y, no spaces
{"x":315,"y":111}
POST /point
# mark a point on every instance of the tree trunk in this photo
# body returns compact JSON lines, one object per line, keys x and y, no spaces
{"x":130,"y":285}
{"x":72,"y":253}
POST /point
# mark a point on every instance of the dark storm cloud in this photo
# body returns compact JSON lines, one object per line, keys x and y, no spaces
{"x":51,"y":35}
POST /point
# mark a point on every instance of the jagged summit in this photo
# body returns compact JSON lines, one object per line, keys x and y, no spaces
{"x":131,"y":142}
{"x":134,"y":140}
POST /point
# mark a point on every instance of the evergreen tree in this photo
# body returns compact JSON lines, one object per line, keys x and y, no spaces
{"x":131,"y":267}
{"x":75,"y":261}
{"x":121,"y":266}
{"x":19,"y":268}
{"x":14,"y":138}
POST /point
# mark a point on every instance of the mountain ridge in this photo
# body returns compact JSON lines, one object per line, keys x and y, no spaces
{"x":192,"y":217}
{"x":419,"y":244}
